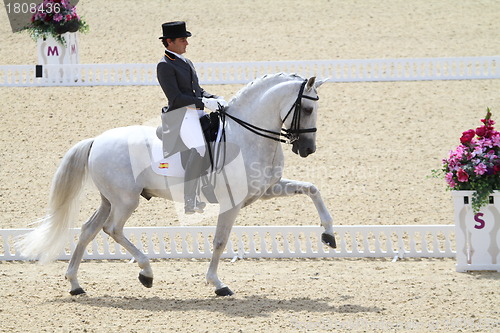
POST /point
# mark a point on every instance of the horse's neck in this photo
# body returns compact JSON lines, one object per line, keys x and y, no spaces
{"x":257,"y":147}
{"x":263,"y":109}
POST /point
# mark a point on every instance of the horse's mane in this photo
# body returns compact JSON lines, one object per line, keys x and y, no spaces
{"x":257,"y":84}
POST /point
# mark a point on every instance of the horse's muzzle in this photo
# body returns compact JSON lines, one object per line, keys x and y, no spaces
{"x":303,"y":148}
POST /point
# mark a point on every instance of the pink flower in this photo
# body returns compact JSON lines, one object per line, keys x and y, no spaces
{"x":487,"y":143}
{"x":58,"y":17}
{"x":495,"y":140}
{"x":462,"y":176}
{"x":480,"y":169}
{"x":457,"y":154}
{"x":478,"y":151}
{"x":449,"y":179}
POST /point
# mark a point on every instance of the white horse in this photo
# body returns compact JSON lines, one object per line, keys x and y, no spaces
{"x":255,"y":117}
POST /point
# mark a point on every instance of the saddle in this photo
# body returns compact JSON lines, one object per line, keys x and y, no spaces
{"x":175,"y":152}
{"x":210,"y":124}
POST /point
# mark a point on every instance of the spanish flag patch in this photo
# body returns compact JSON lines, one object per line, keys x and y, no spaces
{"x":163,"y":166}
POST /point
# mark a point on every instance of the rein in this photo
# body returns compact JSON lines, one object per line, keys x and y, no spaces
{"x":291,"y":134}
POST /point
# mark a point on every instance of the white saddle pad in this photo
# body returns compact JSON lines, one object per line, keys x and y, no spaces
{"x":172,"y":165}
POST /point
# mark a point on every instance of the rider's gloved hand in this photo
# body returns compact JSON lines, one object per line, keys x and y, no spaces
{"x":210,"y":103}
{"x":222,"y":102}
{"x":214,"y":103}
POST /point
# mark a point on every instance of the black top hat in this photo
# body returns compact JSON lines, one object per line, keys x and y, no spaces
{"x":174,"y":30}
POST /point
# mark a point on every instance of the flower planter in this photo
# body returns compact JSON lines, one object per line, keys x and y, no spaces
{"x":477,"y":235}
{"x":52,"y":52}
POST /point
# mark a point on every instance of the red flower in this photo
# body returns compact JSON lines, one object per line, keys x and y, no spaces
{"x":488,"y":122}
{"x":462,"y":176}
{"x":496,"y":169}
{"x":481,"y":131}
{"x":467,"y":136}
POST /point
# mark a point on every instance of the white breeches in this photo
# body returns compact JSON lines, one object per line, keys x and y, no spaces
{"x":191,"y":132}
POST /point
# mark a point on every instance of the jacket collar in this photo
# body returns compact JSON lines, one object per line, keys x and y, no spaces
{"x":173,"y":56}
{"x":170,"y":55}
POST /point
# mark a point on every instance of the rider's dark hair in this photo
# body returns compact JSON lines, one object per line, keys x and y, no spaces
{"x":165,"y":43}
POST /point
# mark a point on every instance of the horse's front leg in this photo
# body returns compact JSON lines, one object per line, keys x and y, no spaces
{"x":287,"y":187}
{"x":222,"y":232}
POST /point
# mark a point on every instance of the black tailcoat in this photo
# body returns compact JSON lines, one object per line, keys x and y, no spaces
{"x":179,"y":82}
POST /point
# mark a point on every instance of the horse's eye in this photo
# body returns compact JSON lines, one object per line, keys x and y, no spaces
{"x":308,"y":110}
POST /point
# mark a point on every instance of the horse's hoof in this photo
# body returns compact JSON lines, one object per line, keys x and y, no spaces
{"x":77,"y":291}
{"x":146,"y":281}
{"x":224,"y":292}
{"x":329,"y":240}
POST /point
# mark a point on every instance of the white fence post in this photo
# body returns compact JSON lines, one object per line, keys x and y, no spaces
{"x":262,"y":242}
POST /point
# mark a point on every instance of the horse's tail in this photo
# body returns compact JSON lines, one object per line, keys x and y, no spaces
{"x":48,"y":239}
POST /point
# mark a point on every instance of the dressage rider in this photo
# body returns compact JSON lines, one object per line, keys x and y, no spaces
{"x":177,"y":77}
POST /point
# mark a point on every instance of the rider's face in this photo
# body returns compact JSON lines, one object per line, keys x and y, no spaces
{"x":178,"y":45}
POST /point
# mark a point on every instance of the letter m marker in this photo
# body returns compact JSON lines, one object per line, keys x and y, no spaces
{"x":52,"y":51}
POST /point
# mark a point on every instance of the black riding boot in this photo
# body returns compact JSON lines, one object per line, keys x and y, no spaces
{"x":191,"y":179}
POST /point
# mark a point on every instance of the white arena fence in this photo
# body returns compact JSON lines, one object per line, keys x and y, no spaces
{"x":360,"y":70}
{"x":436,"y":241}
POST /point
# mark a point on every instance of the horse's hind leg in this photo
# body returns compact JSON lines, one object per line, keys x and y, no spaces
{"x":120,"y":212}
{"x":88,"y":232}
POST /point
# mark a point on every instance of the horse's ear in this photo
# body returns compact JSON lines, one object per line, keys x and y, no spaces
{"x":320,"y":82}
{"x":310,"y":83}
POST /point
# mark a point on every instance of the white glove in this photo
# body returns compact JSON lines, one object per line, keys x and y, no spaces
{"x":222,"y":102}
{"x":214,"y":103}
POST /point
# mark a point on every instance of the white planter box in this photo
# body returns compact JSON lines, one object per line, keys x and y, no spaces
{"x":51,"y":52}
{"x":477,"y":235}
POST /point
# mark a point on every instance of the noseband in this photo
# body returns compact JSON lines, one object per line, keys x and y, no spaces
{"x":291,"y":134}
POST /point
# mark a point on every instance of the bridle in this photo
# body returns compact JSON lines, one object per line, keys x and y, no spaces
{"x":291,"y":134}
